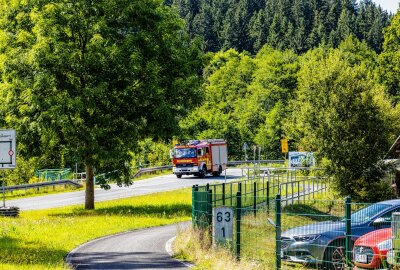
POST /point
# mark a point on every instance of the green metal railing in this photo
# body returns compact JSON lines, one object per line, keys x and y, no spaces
{"x":53,"y":174}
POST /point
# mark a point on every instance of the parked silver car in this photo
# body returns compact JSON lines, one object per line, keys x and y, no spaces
{"x":323,"y":243}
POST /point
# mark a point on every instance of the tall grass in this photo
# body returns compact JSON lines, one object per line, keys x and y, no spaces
{"x":41,"y":239}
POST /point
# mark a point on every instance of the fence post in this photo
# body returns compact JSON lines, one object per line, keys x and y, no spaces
{"x":193,"y":204}
{"x":348,"y":230}
{"x":298,"y":192}
{"x":238,"y":218}
{"x":209,"y":207}
{"x":292,"y":193}
{"x":313,"y":187}
{"x":223,"y":194}
{"x":268,"y":198}
{"x":255,"y":198}
{"x":278,"y":231}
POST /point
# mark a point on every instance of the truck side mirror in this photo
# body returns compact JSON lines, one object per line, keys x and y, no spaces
{"x":199,"y":152}
{"x":171,"y":153}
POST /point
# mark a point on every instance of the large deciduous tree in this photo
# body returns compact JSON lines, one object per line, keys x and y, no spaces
{"x":245,"y":99}
{"x":94,"y":76}
{"x":343,"y":114}
{"x":389,"y":59}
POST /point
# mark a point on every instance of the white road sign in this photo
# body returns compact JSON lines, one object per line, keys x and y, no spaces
{"x":223,"y":224}
{"x":8,"y":151}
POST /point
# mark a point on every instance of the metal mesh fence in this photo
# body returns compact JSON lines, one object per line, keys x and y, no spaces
{"x":301,"y":228}
{"x":254,"y":214}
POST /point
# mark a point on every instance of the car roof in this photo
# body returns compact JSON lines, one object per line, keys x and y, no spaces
{"x":391,"y":202}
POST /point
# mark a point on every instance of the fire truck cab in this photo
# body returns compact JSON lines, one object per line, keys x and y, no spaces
{"x":200,"y":157}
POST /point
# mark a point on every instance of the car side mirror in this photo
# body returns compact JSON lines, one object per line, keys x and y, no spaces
{"x":380,"y":222}
{"x":171,"y":153}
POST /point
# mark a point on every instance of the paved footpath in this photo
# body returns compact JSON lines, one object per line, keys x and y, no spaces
{"x":140,"y":249}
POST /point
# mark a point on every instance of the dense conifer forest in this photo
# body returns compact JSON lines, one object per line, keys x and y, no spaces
{"x":300,"y":25}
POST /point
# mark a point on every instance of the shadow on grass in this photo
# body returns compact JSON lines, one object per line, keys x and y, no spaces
{"x":172,"y":210}
{"x":19,"y":252}
{"x":310,"y":212}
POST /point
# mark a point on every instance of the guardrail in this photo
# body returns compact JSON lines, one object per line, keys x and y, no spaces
{"x":267,"y":161}
{"x":230,"y":163}
{"x":42,"y":184}
{"x":153,"y":169}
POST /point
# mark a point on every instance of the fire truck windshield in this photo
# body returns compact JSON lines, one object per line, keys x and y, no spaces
{"x":185,"y":153}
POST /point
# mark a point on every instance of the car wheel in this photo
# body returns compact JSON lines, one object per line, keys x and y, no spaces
{"x":335,"y":256}
{"x":179,"y":175}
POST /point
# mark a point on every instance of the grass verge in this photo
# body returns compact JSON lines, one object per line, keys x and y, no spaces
{"x":41,"y":239}
{"x":34,"y":192}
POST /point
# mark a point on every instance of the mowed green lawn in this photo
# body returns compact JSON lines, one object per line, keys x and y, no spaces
{"x":41,"y":239}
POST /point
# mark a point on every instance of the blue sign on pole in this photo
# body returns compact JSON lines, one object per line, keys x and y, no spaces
{"x":301,"y":159}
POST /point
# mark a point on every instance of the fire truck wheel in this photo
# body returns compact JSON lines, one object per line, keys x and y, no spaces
{"x":179,"y":175}
{"x":203,"y":172}
{"x":219,"y":172}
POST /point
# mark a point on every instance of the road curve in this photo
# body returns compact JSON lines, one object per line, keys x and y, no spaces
{"x":140,"y":249}
{"x":153,"y":185}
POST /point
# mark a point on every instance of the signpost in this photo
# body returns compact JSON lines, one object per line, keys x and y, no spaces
{"x":223,"y":225}
{"x":245,"y":147}
{"x":8,"y":154}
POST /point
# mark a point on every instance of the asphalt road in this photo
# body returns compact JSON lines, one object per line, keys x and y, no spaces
{"x":141,"y":249}
{"x":153,"y":185}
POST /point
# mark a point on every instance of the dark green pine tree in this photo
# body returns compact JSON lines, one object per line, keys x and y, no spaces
{"x":203,"y":26}
{"x":279,"y":25}
{"x":236,"y":25}
{"x":317,"y":33}
{"x":188,"y":9}
{"x":345,"y":26}
{"x":331,"y":22}
{"x":258,"y":30}
{"x":370,"y":21}
{"x":301,"y":19}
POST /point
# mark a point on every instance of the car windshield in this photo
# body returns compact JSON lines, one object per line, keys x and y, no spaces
{"x":368,"y":212}
{"x":185,"y":152}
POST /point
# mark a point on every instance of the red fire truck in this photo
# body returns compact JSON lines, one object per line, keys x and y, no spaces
{"x":200,"y":157}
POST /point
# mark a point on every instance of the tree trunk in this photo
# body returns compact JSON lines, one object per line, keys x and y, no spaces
{"x":89,"y":194}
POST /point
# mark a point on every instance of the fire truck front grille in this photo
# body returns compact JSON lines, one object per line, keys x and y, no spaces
{"x":184,"y":165}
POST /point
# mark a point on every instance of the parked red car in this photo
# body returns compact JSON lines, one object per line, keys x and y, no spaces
{"x":370,"y":250}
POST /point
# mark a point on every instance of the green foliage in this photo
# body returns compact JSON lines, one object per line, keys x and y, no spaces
{"x":88,"y":79}
{"x":343,"y":114}
{"x":24,"y":172}
{"x":151,"y":153}
{"x":245,"y":100}
{"x":300,"y":25}
{"x":389,"y":59}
